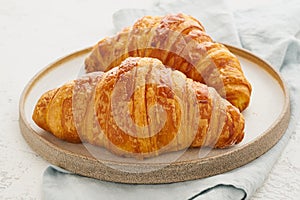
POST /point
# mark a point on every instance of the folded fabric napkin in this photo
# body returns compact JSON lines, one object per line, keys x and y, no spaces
{"x":271,"y":32}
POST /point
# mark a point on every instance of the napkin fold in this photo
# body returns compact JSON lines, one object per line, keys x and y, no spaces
{"x":273,"y":33}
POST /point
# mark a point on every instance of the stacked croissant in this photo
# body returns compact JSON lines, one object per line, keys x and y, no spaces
{"x":161,"y":85}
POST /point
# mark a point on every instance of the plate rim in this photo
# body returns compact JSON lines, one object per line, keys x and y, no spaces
{"x":239,"y":156}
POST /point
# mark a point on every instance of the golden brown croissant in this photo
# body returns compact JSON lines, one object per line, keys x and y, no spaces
{"x":180,"y":42}
{"x":140,"y":109}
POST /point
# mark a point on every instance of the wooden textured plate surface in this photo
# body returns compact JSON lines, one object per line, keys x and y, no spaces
{"x":267,"y":118}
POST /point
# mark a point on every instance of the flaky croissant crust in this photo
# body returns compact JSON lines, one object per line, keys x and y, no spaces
{"x":180,"y":42}
{"x":140,"y":109}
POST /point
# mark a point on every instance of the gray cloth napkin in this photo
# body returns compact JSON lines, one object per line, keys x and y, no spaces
{"x":271,"y":32}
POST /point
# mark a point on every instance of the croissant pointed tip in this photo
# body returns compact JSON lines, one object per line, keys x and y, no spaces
{"x":40,"y":110}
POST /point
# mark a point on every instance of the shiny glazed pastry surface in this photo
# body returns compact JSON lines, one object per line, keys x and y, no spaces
{"x":181,"y":43}
{"x":140,"y":108}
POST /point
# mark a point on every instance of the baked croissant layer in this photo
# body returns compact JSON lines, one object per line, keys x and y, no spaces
{"x":181,"y":43}
{"x":140,"y":108}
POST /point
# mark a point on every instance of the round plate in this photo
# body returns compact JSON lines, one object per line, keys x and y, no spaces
{"x":266,"y":120}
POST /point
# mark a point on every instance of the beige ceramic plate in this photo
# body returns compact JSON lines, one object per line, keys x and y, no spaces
{"x":266,"y":118}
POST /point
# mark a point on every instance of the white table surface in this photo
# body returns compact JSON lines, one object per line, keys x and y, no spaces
{"x":34,"y":33}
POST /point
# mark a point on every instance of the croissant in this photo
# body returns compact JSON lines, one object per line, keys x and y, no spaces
{"x":180,"y":42}
{"x":140,"y":109}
